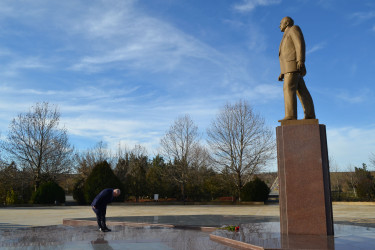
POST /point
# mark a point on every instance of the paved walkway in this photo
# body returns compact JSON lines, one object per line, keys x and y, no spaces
{"x":45,"y":216}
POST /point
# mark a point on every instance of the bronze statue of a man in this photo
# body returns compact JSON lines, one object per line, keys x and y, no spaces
{"x":292,"y":64}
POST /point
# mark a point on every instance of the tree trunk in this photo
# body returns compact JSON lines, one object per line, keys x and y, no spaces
{"x":183,"y":191}
{"x":37,"y":182}
{"x":239,"y":181}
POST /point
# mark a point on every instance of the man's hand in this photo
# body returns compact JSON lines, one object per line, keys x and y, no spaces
{"x":93,"y":207}
{"x":281,"y":77}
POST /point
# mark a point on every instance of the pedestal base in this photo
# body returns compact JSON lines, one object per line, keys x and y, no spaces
{"x":305,"y":200}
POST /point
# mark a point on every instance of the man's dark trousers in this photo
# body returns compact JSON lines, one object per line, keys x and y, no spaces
{"x":99,"y":205}
{"x":100,"y":217}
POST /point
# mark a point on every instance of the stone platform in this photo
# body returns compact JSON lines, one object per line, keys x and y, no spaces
{"x":256,"y":232}
{"x":304,"y":181}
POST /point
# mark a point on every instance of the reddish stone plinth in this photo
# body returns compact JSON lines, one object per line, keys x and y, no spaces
{"x":305,"y":200}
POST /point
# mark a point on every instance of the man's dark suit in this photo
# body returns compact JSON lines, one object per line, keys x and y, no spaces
{"x":99,"y":205}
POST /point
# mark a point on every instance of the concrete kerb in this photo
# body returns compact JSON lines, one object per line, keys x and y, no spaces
{"x":76,"y":223}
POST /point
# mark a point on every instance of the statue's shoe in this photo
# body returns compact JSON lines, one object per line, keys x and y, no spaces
{"x":309,"y":117}
{"x":288,"y":118}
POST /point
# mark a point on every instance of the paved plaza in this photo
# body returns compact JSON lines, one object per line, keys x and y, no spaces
{"x":25,"y":227}
{"x":350,"y":213}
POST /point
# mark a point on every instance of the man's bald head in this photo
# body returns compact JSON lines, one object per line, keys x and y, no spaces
{"x":116,"y":192}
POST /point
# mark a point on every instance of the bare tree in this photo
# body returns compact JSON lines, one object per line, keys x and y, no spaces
{"x":241,"y":142}
{"x":352,"y":179}
{"x":178,"y":146}
{"x":36,"y":141}
{"x":86,"y":160}
{"x":372,"y":159}
{"x":201,"y":158}
{"x":337,"y":179}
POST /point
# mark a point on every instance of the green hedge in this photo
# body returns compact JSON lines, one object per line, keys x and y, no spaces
{"x":255,"y":190}
{"x":79,"y":192}
{"x":48,"y":193}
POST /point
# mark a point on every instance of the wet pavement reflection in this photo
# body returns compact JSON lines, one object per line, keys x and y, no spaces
{"x":193,"y":220}
{"x":255,"y":230}
{"x":122,"y":237}
{"x":267,"y":235}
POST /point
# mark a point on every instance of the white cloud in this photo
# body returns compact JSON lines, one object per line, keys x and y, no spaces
{"x":123,"y":37}
{"x":249,"y":5}
{"x":107,"y":37}
{"x":350,"y":145}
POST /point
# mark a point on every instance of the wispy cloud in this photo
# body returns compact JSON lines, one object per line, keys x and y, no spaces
{"x":158,"y":70}
{"x":124,"y":37}
{"x":12,"y":63}
{"x":360,"y":17}
{"x":250,"y":5}
{"x":354,"y":98}
{"x":316,"y":47}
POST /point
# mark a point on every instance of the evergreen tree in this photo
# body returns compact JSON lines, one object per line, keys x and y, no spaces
{"x":102,"y":177}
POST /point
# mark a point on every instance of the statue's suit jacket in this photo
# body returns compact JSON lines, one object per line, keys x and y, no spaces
{"x":291,"y":50}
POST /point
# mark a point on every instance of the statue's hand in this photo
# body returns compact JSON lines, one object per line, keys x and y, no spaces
{"x":300,"y":65}
{"x":281,"y":77}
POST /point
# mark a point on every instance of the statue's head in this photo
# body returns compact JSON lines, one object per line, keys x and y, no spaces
{"x":286,"y":22}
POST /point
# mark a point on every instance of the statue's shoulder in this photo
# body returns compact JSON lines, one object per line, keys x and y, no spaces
{"x":295,"y":28}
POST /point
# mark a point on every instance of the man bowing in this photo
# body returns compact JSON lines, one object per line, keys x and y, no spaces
{"x":99,"y":205}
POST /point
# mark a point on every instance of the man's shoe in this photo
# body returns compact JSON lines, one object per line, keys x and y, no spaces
{"x":108,"y":230}
{"x":104,"y":230}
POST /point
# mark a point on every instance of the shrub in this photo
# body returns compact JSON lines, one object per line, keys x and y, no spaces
{"x":79,"y":192}
{"x":11,"y":197}
{"x":366,"y":184}
{"x":102,"y":177}
{"x":255,"y":190}
{"x":48,"y":193}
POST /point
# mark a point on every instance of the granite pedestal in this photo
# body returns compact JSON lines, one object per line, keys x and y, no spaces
{"x":303,"y":169}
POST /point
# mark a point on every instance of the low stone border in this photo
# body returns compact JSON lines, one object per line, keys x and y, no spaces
{"x":75,"y":223}
{"x":187,"y":203}
{"x":354,"y":203}
{"x":234,"y":243}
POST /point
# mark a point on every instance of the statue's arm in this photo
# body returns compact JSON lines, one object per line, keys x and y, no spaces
{"x":281,"y":77}
{"x":299,"y":45}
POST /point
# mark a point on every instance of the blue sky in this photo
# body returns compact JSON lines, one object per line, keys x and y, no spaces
{"x":123,"y":71}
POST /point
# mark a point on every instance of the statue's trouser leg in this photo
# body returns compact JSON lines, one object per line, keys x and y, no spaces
{"x":290,"y":99}
{"x":305,"y":98}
